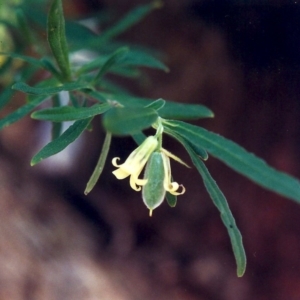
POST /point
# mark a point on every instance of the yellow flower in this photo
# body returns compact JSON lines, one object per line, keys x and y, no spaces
{"x":171,"y":187}
{"x":135,"y":163}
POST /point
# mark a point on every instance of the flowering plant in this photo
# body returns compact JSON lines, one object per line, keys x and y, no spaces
{"x":91,"y":94}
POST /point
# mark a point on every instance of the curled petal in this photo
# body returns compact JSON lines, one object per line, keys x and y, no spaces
{"x":114,"y":161}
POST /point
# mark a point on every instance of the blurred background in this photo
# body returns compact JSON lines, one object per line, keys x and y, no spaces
{"x":239,"y":58}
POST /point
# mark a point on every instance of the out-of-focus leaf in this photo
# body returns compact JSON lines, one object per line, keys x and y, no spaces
{"x":123,"y":121}
{"x":22,"y":111}
{"x":49,"y":66}
{"x":57,"y":38}
{"x":131,"y":58}
{"x":111,"y":60}
{"x":69,"y":113}
{"x":28,"y":59}
{"x":5,"y":96}
{"x":25,"y":88}
{"x":59,"y":144}
{"x":133,"y":17}
{"x":157,"y":104}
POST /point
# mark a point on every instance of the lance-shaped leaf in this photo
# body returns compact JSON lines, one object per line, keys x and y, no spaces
{"x":48,"y":90}
{"x":200,"y":151}
{"x":111,"y":60}
{"x":69,"y":113}
{"x":22,"y":111}
{"x":123,"y":121}
{"x":157,"y":104}
{"x":220,"y":202}
{"x":59,"y":144}
{"x":28,"y":59}
{"x":57,"y":38}
{"x":133,"y":17}
{"x":171,"y":110}
{"x":132,"y":58}
{"x":239,"y":159}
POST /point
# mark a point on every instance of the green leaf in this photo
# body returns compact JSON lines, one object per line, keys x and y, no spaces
{"x":239,"y":159}
{"x":111,"y":60}
{"x":200,"y":151}
{"x":59,"y":144}
{"x":5,"y":96}
{"x":142,"y":59}
{"x":171,"y":199}
{"x":133,"y":17}
{"x":139,"y":137}
{"x":220,"y":202}
{"x":122,"y":121}
{"x":100,"y":164}
{"x":25,"y":88}
{"x":157,"y":104}
{"x":171,"y":110}
{"x":56,"y":127}
{"x":57,"y":38}
{"x":49,"y":66}
{"x":69,"y":113}
{"x":28,"y":59}
{"x":22,"y":111}
{"x":131,"y":58}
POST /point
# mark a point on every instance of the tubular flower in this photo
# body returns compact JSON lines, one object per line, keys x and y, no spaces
{"x":169,"y":186}
{"x":135,"y":163}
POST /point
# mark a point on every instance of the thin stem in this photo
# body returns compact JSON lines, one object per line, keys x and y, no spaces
{"x":100,"y":164}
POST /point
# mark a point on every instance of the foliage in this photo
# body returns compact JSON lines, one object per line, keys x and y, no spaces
{"x":91,"y":93}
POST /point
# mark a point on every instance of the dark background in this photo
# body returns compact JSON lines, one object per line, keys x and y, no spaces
{"x":241,"y":59}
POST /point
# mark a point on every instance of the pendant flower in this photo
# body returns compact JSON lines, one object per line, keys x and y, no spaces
{"x":135,"y":163}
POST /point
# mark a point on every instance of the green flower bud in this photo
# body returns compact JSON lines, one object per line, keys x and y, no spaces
{"x":153,"y":191}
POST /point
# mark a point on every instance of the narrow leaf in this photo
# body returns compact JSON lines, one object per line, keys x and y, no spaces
{"x":133,"y":17}
{"x":200,"y":151}
{"x":171,"y":199}
{"x":69,"y":113}
{"x":220,"y":202}
{"x":131,"y":58}
{"x":25,"y":88}
{"x":157,"y":104}
{"x":122,"y":121}
{"x":100,"y":164}
{"x":171,"y":110}
{"x":57,"y":38}
{"x":28,"y":59}
{"x":111,"y":60}
{"x":22,"y":111}
{"x":239,"y":159}
{"x":59,"y":144}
